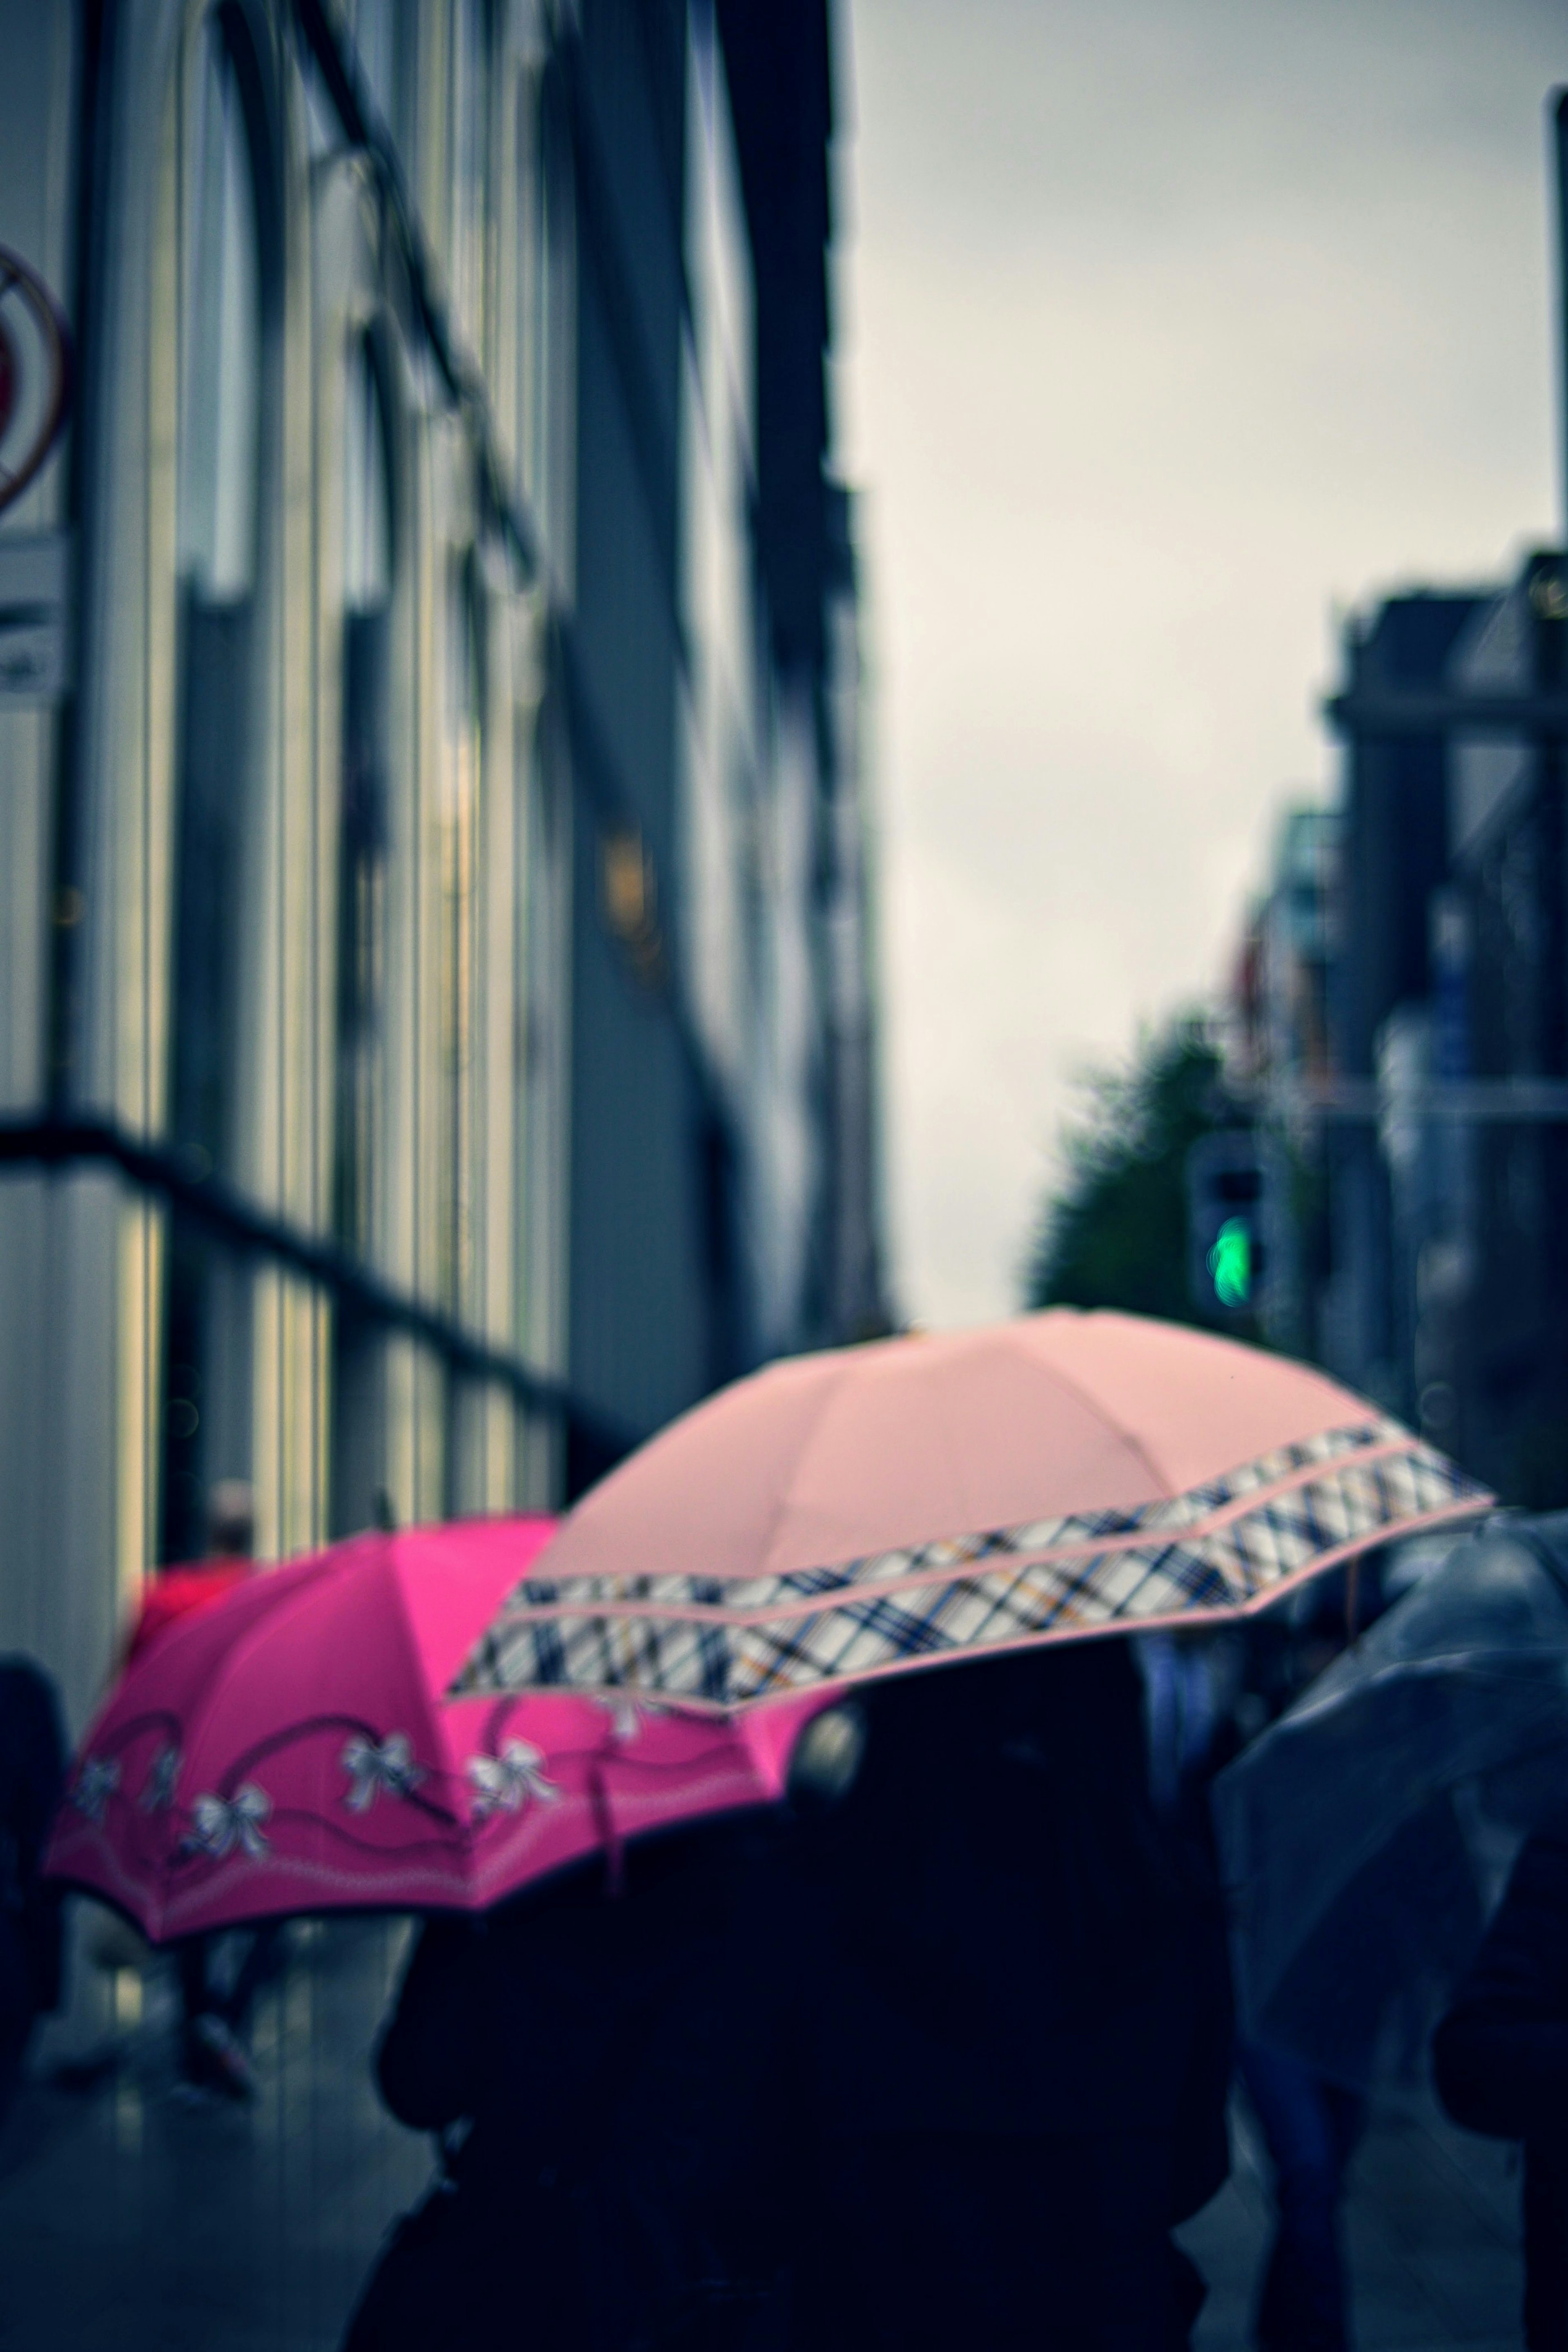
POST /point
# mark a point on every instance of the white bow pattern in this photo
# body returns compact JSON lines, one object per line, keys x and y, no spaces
{"x":219,"y":1824}
{"x":371,"y":1768}
{"x":504,"y":1783}
{"x":158,"y":1790}
{"x":628,"y":1715}
{"x":96,"y":1783}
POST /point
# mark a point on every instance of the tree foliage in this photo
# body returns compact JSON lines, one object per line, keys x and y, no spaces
{"x":1114,"y":1231}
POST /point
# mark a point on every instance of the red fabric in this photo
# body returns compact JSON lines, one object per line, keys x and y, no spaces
{"x":177,"y":1592}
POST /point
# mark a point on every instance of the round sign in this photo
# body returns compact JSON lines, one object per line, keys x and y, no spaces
{"x":7,"y":380}
{"x":35,"y":375}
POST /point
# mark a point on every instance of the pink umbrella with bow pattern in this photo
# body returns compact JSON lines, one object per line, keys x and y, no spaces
{"x":290,"y":1749}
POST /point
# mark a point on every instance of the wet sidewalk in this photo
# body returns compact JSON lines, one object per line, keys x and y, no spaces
{"x":1432,"y":2231}
{"x":131,"y":2217}
{"x":137,"y":2216}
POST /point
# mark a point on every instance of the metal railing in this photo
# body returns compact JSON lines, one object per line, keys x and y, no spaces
{"x":209,"y":1201}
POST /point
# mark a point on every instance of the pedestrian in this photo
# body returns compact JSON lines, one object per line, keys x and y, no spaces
{"x":214,"y":2002}
{"x":182,"y":1588}
{"x":551,"y":2047}
{"x":1311,"y":2123}
{"x":1021,"y":2043}
{"x":1312,"y":2126}
{"x":32,"y":1776}
{"x":1501,"y":2063}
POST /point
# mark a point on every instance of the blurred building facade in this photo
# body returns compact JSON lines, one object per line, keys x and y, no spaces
{"x":1276,"y":1036}
{"x":1432,"y":1135}
{"x":437,"y":1033}
{"x":1279,"y":994}
{"x":1394,"y":856}
{"x":1489,"y":1292}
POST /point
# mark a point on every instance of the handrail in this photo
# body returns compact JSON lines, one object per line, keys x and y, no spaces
{"x":209,"y":1201}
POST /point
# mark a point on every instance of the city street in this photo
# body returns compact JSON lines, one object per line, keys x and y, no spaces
{"x":784,"y":1111}
{"x":129,"y":2216}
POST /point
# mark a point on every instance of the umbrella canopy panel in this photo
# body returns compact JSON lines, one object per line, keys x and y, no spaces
{"x":883,"y":1507}
{"x":1365,"y":1834}
{"x":290,"y":1749}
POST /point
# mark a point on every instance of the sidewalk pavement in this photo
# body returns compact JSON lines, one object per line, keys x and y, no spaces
{"x":135,"y":2219}
{"x":1432,"y":2228}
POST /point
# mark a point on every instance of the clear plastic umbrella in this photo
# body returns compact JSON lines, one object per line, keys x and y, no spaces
{"x":1366,"y":1836}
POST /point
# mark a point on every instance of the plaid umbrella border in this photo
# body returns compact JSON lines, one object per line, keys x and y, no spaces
{"x":1208,"y":1554}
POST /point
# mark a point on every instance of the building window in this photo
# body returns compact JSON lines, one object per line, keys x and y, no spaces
{"x":379,"y":49}
{"x":219,"y":332}
{"x":545,"y":243}
{"x":363,"y":842}
{"x":458,"y":977}
{"x":543,"y":886}
{"x":358,"y":1405}
{"x":217,"y":523}
{"x":469,"y":148}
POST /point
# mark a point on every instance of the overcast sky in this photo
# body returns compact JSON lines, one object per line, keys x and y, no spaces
{"x":1165,"y":324}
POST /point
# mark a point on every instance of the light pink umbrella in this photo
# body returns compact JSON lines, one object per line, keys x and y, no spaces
{"x":289,"y":1749}
{"x":880,"y":1508}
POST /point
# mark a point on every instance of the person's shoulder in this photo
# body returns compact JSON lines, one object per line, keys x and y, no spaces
{"x":176,"y":1592}
{"x":212,"y":1575}
{"x":193,"y":1584}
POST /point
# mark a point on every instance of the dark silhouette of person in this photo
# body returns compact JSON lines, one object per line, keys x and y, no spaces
{"x":551,"y":2045}
{"x":182,"y":1589}
{"x":943,"y":2062}
{"x":1499,"y":2058}
{"x":1019,"y":2064}
{"x":32,"y":1777}
{"x":1312,"y":2126}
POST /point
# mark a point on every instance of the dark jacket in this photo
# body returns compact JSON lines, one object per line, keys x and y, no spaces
{"x":604,"y":2053}
{"x":991,"y":1938}
{"x":1500,"y":2060}
{"x":1018,"y":2063}
{"x":1024,"y":1947}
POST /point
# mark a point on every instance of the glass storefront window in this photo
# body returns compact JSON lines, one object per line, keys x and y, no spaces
{"x":545,"y":224}
{"x":470,"y":162}
{"x":221,"y":339}
{"x":362,"y":849}
{"x":205,"y":1349}
{"x":459,"y":974}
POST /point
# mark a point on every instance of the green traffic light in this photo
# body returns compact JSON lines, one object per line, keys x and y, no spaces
{"x":1230,"y":1262}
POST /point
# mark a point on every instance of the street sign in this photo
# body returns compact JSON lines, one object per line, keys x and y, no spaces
{"x":35,"y":375}
{"x":35,"y":618}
